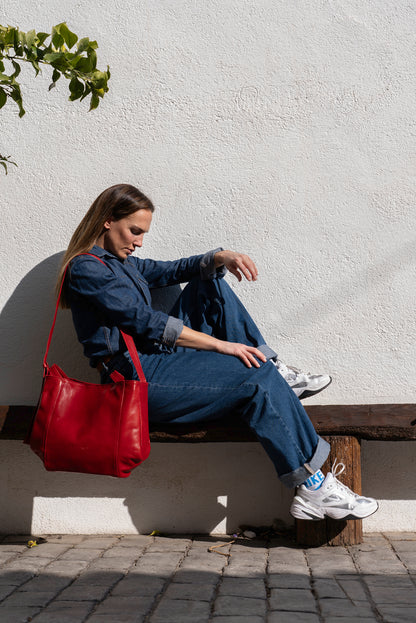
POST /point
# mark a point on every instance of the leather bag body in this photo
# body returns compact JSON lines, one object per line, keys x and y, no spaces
{"x":91,"y":428}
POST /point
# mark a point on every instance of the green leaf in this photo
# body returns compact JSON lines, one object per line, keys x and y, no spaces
{"x":3,"y":164}
{"x":70,"y":38}
{"x":17,"y":69}
{"x":30,"y":38}
{"x":1,"y":66}
{"x":83,"y":45}
{"x":92,"y":55}
{"x":94,"y":101}
{"x":42,"y":36}
{"x":3,"y":98}
{"x":53,"y":57}
{"x":56,"y":75}
{"x":57,"y":40}
{"x":84,"y":65}
{"x":77,"y":89}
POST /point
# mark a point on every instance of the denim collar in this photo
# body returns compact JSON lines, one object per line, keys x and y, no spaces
{"x":100,"y":252}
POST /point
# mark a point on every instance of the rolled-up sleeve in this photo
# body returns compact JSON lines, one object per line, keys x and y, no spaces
{"x":172,"y":331}
{"x":208,"y":270}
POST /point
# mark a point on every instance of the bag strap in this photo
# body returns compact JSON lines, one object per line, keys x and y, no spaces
{"x":131,"y":347}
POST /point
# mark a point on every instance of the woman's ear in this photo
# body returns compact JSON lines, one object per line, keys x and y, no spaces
{"x":107,"y":224}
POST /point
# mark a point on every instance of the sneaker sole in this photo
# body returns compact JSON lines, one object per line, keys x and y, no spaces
{"x":308,"y":392}
{"x":300,"y":510}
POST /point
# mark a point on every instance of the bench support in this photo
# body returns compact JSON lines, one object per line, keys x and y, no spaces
{"x":328,"y":531}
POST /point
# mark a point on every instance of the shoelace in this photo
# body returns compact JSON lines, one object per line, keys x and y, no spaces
{"x":288,"y":372}
{"x":336,"y":470}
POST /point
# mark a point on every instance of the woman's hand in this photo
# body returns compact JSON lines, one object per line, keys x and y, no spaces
{"x":238,"y":264}
{"x":249,"y":355}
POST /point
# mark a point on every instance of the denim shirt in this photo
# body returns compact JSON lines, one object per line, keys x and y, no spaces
{"x":117,"y":294}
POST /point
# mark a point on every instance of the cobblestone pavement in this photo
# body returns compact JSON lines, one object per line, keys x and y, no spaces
{"x":144,"y":579}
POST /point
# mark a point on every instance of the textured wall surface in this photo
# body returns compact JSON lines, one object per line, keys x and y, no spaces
{"x":282,"y":129}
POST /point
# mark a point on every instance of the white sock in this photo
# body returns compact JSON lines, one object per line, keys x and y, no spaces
{"x":315,"y":481}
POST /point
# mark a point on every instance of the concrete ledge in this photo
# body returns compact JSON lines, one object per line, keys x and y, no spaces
{"x":183,"y":488}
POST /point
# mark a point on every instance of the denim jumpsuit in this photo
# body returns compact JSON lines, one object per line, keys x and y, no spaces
{"x":187,"y":385}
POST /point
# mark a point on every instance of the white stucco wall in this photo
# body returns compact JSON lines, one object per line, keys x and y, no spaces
{"x":282,"y":129}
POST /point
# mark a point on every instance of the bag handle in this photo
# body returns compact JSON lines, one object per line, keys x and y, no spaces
{"x":131,"y":347}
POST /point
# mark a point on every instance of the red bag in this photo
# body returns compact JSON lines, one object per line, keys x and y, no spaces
{"x":91,"y":428}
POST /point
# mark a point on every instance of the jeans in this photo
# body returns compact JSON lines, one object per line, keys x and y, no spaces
{"x":187,"y":385}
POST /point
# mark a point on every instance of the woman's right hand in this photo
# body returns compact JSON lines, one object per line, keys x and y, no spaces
{"x":249,"y":355}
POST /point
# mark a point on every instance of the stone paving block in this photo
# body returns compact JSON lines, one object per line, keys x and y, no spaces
{"x":15,"y":577}
{"x":5,"y":590}
{"x":122,"y":617}
{"x":103,"y":564}
{"x":129,"y":554}
{"x":231,"y":605}
{"x":86,"y":554}
{"x":159,"y":564}
{"x":28,"y":564}
{"x":294,"y":617}
{"x":196,"y":592}
{"x":18,"y":615}
{"x":344,"y":608}
{"x":13,"y":548}
{"x":100,"y":577}
{"x":237,"y":571}
{"x":97,"y":542}
{"x":328,"y":587}
{"x":181,"y":611}
{"x":135,"y":540}
{"x":400,"y":581}
{"x":387,"y":561}
{"x":84,"y":592}
{"x":165,"y":544}
{"x":67,"y":568}
{"x":294,"y":599}
{"x":68,"y":539}
{"x":138,"y":584}
{"x":400,"y":536}
{"x":404,"y":546}
{"x":393,"y":595}
{"x":6,"y":557}
{"x":194,"y":576}
{"x":45,"y":550}
{"x":23,"y":599}
{"x":396,"y":614}
{"x":66,"y":612}
{"x":46,"y":582}
{"x":354,"y":589}
{"x":351,"y":619}
{"x":243,"y":587}
{"x":288,"y":580}
{"x":238,"y":619}
{"x":127,"y":605}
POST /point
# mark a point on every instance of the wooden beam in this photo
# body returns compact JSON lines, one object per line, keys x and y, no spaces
{"x":392,"y":422}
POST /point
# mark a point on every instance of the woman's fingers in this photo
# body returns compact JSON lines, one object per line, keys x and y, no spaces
{"x":240,"y":264}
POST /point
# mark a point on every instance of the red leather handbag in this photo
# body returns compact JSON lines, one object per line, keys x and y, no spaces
{"x":91,"y":428}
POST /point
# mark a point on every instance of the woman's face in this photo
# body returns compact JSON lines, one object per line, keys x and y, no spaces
{"x":123,"y":236}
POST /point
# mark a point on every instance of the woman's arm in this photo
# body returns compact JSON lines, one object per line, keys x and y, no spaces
{"x":194,"y":339}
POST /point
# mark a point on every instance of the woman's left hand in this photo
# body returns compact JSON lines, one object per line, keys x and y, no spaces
{"x":238,"y":264}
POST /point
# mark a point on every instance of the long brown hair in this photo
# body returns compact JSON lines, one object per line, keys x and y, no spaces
{"x":115,"y":203}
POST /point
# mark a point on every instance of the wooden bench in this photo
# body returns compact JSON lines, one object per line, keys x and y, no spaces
{"x":344,"y":426}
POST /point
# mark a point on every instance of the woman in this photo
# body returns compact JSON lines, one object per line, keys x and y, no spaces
{"x":203,"y":361}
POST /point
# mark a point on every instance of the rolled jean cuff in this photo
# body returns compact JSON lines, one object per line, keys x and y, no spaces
{"x":299,"y":475}
{"x":267,"y":351}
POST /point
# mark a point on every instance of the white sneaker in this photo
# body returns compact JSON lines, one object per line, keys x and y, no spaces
{"x":303,"y":384}
{"x":332,"y":499}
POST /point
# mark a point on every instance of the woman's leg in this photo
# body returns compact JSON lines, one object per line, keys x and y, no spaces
{"x":195,"y":386}
{"x":212,"y":307}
